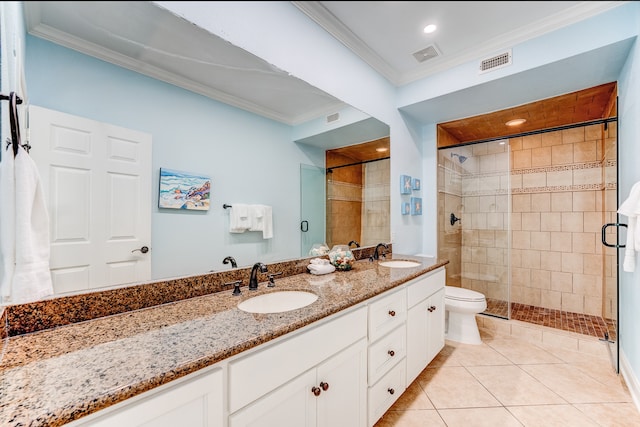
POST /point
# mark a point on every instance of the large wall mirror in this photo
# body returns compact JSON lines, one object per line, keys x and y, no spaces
{"x":253,"y":150}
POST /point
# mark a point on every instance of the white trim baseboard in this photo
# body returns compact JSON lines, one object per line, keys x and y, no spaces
{"x":631,"y":379}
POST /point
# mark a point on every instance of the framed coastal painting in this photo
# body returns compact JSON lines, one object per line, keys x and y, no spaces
{"x":416,"y":206}
{"x":184,"y":190}
{"x":405,"y":184}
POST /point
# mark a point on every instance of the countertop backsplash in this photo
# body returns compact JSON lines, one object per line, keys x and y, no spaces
{"x":64,"y":310}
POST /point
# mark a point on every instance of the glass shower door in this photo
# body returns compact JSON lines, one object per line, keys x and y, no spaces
{"x":474,"y":204}
{"x":312,"y":207}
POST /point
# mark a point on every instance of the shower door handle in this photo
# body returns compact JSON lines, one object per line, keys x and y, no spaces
{"x":604,"y":237}
{"x":304,"y":226}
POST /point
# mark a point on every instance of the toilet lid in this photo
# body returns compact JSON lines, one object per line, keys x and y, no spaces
{"x":462,"y":294}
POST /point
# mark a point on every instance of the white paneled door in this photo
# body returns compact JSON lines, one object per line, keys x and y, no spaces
{"x":97,"y":181}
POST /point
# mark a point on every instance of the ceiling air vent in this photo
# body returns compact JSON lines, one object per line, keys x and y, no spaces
{"x":333,"y":117}
{"x":495,"y":62}
{"x":426,"y":53}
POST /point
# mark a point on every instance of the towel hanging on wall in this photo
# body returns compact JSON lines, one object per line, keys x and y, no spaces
{"x":262,"y":220}
{"x":251,"y":218}
{"x":631,"y":208}
{"x":239,"y":220}
{"x":24,"y":223}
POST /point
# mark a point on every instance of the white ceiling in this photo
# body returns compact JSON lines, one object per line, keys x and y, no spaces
{"x":146,"y":38}
{"x":386,"y":34}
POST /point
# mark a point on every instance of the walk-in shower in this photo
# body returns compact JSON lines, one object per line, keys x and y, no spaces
{"x":533,"y":209}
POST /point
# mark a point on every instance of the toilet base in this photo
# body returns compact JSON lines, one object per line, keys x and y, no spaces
{"x":462,"y":328}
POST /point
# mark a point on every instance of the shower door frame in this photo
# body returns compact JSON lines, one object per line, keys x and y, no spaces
{"x":613,"y":346}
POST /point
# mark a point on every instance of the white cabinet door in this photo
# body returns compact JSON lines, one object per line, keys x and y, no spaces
{"x":344,"y":402}
{"x":425,"y":333}
{"x":291,"y":405}
{"x":435,"y":336}
{"x":331,"y":394}
{"x":417,"y":341}
{"x":196,"y":402}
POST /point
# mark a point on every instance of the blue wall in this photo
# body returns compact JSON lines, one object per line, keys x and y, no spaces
{"x":281,"y":34}
{"x":629,"y":174}
{"x":250,"y":159}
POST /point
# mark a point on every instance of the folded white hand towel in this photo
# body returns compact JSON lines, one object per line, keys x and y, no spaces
{"x":239,"y":220}
{"x":319,"y":261}
{"x":321,"y":268}
{"x":261,"y":220}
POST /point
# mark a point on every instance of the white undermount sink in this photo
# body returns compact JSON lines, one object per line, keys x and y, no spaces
{"x":397,"y":263}
{"x":277,"y":302}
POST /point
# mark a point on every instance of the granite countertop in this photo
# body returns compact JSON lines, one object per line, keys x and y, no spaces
{"x":54,"y":376}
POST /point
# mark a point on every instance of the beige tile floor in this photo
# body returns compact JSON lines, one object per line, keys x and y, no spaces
{"x":507,"y":381}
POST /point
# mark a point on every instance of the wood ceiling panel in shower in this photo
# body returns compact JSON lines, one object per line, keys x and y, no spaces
{"x":576,"y":107}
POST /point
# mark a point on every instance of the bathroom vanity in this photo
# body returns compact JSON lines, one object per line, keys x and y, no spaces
{"x":341,"y":360}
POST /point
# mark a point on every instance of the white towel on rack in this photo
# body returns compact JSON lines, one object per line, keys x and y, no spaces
{"x":262,"y":220}
{"x":31,"y":279}
{"x":631,"y":208}
{"x":7,"y":223}
{"x":239,"y":218}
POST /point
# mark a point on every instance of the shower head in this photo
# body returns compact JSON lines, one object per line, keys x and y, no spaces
{"x":461,"y":159}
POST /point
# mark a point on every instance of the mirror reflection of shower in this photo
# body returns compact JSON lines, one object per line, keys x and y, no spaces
{"x":461,"y":158}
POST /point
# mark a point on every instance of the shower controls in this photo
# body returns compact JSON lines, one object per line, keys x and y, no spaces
{"x":453,"y":219}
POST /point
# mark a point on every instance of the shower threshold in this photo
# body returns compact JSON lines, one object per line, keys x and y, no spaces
{"x":580,"y":323}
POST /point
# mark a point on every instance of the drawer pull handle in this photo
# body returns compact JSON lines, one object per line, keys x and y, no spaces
{"x":391,"y":391}
{"x":392,"y":313}
{"x":324,"y":386}
{"x":433,"y":308}
{"x":391,"y":353}
{"x":316,"y":391}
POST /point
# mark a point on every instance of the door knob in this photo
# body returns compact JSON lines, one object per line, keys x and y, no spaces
{"x":143,"y":249}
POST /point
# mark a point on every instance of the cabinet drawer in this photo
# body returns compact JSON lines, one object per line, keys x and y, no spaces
{"x":261,"y":371}
{"x":387,"y":313}
{"x":425,"y":286}
{"x":386,"y":353}
{"x":385,"y":392}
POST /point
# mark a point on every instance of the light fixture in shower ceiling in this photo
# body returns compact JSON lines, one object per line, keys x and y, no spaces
{"x":515,"y":122}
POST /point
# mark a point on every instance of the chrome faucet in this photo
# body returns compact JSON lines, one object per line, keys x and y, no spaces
{"x":376,"y":255}
{"x":253,"y":279}
{"x":231,"y":260}
{"x":353,"y":242}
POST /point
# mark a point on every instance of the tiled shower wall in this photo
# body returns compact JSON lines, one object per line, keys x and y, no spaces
{"x":563,"y":192}
{"x":562,"y":189}
{"x":376,"y":221}
{"x":358,"y":204}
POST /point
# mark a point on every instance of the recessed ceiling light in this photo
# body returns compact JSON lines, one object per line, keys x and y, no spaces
{"x":515,"y":122}
{"x":430,"y":28}
{"x":381,"y":149}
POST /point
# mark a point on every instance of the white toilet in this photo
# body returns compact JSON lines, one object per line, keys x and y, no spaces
{"x":461,"y":307}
